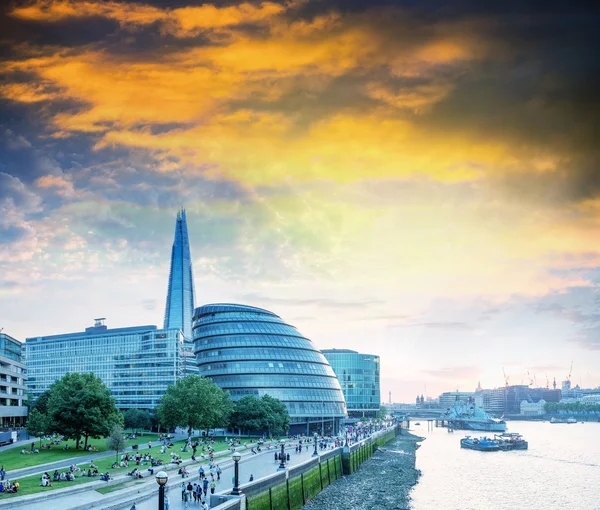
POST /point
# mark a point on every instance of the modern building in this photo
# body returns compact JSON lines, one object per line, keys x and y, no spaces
{"x":180,"y":292}
{"x":136,"y":363}
{"x":448,"y":398}
{"x":251,"y":351}
{"x":13,"y":377}
{"x":358,"y":375}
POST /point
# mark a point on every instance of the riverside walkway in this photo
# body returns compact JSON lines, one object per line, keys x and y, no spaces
{"x":143,"y":492}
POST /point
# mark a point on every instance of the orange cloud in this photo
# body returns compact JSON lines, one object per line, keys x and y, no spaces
{"x":181,"y":22}
{"x":63,"y":186}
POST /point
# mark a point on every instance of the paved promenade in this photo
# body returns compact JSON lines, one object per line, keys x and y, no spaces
{"x":259,"y":465}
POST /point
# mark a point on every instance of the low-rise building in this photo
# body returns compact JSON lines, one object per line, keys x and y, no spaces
{"x":533,"y":408}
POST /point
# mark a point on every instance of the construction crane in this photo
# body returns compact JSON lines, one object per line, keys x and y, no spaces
{"x":530,"y":379}
{"x":570,"y":372}
{"x":506,"y":379}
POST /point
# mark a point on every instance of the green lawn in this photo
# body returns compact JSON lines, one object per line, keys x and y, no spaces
{"x":31,"y":484}
{"x":14,"y":459}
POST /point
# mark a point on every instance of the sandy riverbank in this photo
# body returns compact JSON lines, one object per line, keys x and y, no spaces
{"x":381,"y":483}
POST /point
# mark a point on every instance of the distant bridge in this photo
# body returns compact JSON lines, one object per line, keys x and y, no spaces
{"x":419,"y":413}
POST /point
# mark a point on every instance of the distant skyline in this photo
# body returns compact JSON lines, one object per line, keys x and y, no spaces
{"x":414,"y":180}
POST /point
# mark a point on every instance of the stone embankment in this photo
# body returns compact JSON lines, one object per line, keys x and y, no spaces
{"x":383,"y":482}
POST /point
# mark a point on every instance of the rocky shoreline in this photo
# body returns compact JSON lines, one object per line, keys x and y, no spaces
{"x":383,"y":482}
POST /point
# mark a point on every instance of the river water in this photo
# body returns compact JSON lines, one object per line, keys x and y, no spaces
{"x":561,"y":470}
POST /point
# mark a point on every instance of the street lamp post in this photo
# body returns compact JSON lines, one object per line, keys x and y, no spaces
{"x":236,"y":474}
{"x":315,"y":454}
{"x":282,"y":455}
{"x":161,"y":480}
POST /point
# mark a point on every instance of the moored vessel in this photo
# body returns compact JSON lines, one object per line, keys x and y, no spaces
{"x":482,"y":444}
{"x":465,"y":415}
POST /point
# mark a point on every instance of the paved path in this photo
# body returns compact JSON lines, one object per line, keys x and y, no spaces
{"x":259,"y":465}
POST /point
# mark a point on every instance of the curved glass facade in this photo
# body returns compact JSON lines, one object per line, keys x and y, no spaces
{"x":359,"y":376}
{"x":251,"y":351}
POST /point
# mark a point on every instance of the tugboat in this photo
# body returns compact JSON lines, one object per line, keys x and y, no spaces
{"x":482,"y":444}
{"x":511,"y":441}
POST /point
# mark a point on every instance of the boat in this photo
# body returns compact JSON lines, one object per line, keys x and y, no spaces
{"x":418,"y":423}
{"x":511,"y":441}
{"x":482,"y":444}
{"x":465,"y":415}
{"x":554,"y":419}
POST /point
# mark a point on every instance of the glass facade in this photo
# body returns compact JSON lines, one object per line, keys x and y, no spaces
{"x":180,"y":293}
{"x":251,"y":351}
{"x":359,"y":377}
{"x":13,"y":377}
{"x":137,"y":364}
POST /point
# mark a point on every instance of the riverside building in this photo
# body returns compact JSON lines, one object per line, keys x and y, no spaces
{"x":136,"y":363}
{"x":251,"y":351}
{"x":359,"y":378}
{"x":13,"y":377}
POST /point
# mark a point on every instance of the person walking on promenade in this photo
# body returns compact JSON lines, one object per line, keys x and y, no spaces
{"x":213,"y":486}
{"x":200,"y":472}
{"x":183,"y":491}
{"x":166,"y":502}
{"x":218,"y":473}
{"x":205,"y":486}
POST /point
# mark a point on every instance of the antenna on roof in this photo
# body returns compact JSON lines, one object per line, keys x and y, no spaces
{"x":99,"y":322}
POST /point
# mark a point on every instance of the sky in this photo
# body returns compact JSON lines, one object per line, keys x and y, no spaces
{"x":418,"y":180}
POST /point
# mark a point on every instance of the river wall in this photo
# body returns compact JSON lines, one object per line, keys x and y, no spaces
{"x":301,"y":484}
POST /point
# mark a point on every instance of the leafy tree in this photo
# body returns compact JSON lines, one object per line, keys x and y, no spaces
{"x":116,"y":440}
{"x":249,"y":413}
{"x":80,"y":405}
{"x":382,"y":413}
{"x":37,"y":424}
{"x":196,"y":403}
{"x":278,"y":418}
{"x":136,"y":419}
{"x":41,"y":403}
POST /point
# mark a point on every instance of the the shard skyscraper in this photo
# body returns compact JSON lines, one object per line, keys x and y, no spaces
{"x":180,"y":296}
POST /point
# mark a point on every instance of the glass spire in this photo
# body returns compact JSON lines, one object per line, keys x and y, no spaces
{"x":180,"y":295}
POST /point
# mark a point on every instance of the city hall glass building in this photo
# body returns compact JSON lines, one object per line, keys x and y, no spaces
{"x":137,"y":364}
{"x":359,"y":377}
{"x":251,"y":351}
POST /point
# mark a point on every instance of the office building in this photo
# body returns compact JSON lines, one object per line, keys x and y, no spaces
{"x":13,"y":377}
{"x":136,"y":363}
{"x":251,"y":351}
{"x":359,"y":378}
{"x":180,"y":292}
{"x":448,"y":398}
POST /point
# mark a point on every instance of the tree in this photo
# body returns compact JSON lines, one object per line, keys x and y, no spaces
{"x":116,"y":440}
{"x":80,"y":405}
{"x":136,"y":419}
{"x":41,"y":403}
{"x":278,"y":418}
{"x":382,"y":413}
{"x":194,"y":402}
{"x":37,"y":424}
{"x":249,"y":413}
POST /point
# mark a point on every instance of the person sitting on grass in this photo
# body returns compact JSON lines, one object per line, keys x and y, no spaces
{"x":63,"y":477}
{"x":45,"y":480}
{"x":25,"y":452}
{"x":115,"y":465}
{"x":105,"y":477}
{"x":124,"y":463}
{"x":66,"y":447}
{"x":70,"y":477}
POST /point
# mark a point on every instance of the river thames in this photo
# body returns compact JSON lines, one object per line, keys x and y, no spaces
{"x":561,"y":470}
